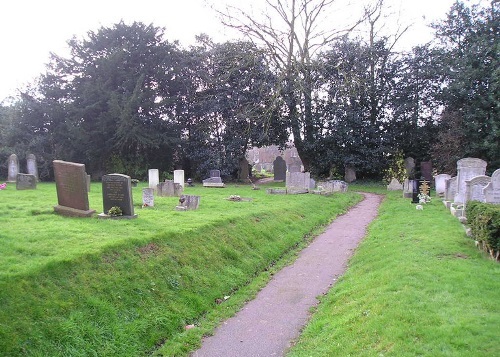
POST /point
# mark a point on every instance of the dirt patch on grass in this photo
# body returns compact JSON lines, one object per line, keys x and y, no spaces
{"x":148,"y":250}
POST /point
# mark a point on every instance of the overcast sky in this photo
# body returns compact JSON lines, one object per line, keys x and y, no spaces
{"x":30,"y":29}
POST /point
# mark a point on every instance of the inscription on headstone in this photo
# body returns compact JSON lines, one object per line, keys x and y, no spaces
{"x":25,"y":182}
{"x":492,"y":191}
{"x":279,"y":169}
{"x":117,"y":192}
{"x":13,"y":168}
{"x":148,"y":197}
{"x":31,"y":166}
{"x":426,"y":170}
{"x":71,"y":186}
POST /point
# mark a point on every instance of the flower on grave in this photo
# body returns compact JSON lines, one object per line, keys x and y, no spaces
{"x":134,"y":180}
{"x":115,"y":211}
{"x":145,"y":205}
{"x":3,"y":185}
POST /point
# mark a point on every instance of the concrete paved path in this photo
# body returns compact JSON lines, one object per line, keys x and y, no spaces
{"x":267,"y":325}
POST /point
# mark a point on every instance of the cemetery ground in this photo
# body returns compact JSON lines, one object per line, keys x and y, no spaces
{"x":82,"y":286}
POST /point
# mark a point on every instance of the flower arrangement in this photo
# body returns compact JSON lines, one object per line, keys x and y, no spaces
{"x":115,"y":211}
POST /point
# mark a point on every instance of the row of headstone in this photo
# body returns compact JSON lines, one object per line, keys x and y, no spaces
{"x":13,"y":167}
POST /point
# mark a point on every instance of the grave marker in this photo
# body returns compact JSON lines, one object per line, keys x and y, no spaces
{"x":188,"y":202}
{"x":13,"y":168}
{"x":148,"y":197}
{"x":474,"y":188}
{"x":117,"y":192}
{"x":440,"y":183}
{"x":279,"y":168}
{"x":153,"y":178}
{"x":467,"y":169}
{"x":298,"y":182}
{"x":492,"y":190}
{"x":31,"y":166}
{"x":179,"y":177}
{"x":26,"y":182}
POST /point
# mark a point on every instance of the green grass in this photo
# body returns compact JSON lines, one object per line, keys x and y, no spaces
{"x":417,"y":286}
{"x":90,"y":287}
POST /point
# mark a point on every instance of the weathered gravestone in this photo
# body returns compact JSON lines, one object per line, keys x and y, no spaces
{"x":153,"y":178}
{"x":298,"y":182}
{"x":474,"y":188}
{"x":169,"y":189}
{"x":394,"y":185}
{"x":410,"y":167}
{"x":467,"y":169}
{"x":214,"y":180}
{"x":71,"y":186}
{"x":350,"y":174}
{"x":450,"y":189}
{"x":117,"y":192}
{"x":188,"y":202}
{"x":440,"y":183}
{"x":408,"y":188}
{"x":179,"y":177}
{"x":331,"y":186}
{"x":492,"y":190}
{"x":279,"y":166}
{"x":31,"y":166}
{"x":26,"y":182}
{"x":148,"y":197}
{"x":294,"y":168}
{"x":13,"y":168}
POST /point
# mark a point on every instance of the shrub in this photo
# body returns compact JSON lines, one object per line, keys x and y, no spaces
{"x":484,"y":221}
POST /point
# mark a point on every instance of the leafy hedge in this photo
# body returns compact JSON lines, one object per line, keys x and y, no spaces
{"x":484,"y":221}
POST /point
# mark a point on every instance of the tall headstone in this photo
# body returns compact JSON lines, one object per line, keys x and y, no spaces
{"x":350,"y":174}
{"x":440,"y":183}
{"x":31,"y":166}
{"x":153,"y":178}
{"x":179,"y":177}
{"x":474,"y":188}
{"x":410,"y":167}
{"x":492,"y":190}
{"x":13,"y":168}
{"x":298,"y":182}
{"x":71,"y":186}
{"x":426,"y":170}
{"x":26,"y":182}
{"x":279,"y":166}
{"x":451,"y":189}
{"x":148,"y":197}
{"x":467,"y":169}
{"x":117,"y":192}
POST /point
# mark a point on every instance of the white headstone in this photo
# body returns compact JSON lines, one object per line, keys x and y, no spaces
{"x":467,"y":169}
{"x":492,"y":191}
{"x":154,"y":178}
{"x":298,"y":182}
{"x":148,"y":197}
{"x":31,"y":165}
{"x":394,"y":185}
{"x":179,"y":177}
{"x":474,"y":188}
{"x":440,"y":183}
{"x":451,"y":189}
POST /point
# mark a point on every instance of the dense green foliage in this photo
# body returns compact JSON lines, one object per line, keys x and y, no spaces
{"x":126,"y":100}
{"x":80,"y":287}
{"x":417,"y":286}
{"x":484,"y":222}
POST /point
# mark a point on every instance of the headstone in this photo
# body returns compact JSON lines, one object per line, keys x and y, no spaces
{"x":153,"y":178}
{"x":279,"y":169}
{"x":415,"y":191}
{"x":71,"y":186}
{"x":426,"y":170}
{"x":117,"y":192}
{"x":31,"y":166}
{"x":88,"y":183}
{"x":188,"y":202}
{"x":350,"y":174}
{"x":26,"y":182}
{"x":148,"y":197}
{"x":474,"y":188}
{"x":13,"y":168}
{"x":394,"y":185}
{"x":492,"y":190}
{"x":450,"y":189}
{"x":410,"y":167}
{"x":467,"y":169}
{"x":408,"y":188}
{"x":214,"y":180}
{"x":331,"y":186}
{"x":312,"y":184}
{"x":440,"y":183}
{"x":243,"y":171}
{"x":179,"y":177}
{"x":298,"y":182}
{"x":169,"y":189}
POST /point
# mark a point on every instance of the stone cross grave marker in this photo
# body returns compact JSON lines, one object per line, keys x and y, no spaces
{"x":71,"y":186}
{"x":31,"y":165}
{"x":279,"y":167}
{"x":13,"y":168}
{"x":467,"y":169}
{"x":26,"y":182}
{"x":492,"y":190}
{"x":117,"y":192}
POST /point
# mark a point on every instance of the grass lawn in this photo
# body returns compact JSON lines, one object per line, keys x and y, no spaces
{"x":90,"y":287}
{"x":416,"y":286}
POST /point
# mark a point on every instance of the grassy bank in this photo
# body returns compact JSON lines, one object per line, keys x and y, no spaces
{"x":80,"y":287}
{"x":417,"y":286}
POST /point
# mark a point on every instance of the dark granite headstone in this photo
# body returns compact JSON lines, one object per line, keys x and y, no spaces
{"x":13,"y":168}
{"x":279,"y":166}
{"x":117,"y":192}
{"x":426,"y":170}
{"x":26,"y":182}
{"x":71,"y":186}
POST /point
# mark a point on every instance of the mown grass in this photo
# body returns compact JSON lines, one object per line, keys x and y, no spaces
{"x":89,"y":287}
{"x":417,"y":286}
